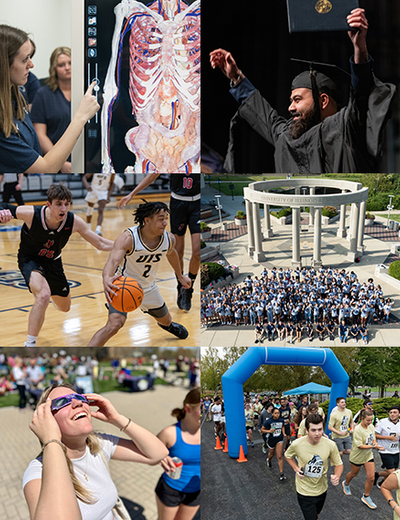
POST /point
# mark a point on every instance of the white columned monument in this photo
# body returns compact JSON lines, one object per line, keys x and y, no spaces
{"x":348,"y":193}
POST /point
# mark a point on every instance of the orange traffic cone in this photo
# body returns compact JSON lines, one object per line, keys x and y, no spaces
{"x":241,"y":458}
{"x":218,"y":444}
{"x":225,"y":450}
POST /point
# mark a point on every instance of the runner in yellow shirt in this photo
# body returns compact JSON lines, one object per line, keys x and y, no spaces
{"x":361,"y":455}
{"x":313,"y":453}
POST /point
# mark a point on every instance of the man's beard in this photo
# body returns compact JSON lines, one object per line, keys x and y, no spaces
{"x":306,"y":121}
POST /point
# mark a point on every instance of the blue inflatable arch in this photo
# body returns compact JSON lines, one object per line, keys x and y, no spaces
{"x":251,"y":360}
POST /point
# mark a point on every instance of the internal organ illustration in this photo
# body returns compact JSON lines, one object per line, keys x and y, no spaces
{"x":164,"y":86}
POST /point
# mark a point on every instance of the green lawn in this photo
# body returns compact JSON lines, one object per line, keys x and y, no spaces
{"x":107,"y":385}
{"x":395,"y":217}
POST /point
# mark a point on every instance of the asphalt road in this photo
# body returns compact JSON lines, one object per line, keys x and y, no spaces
{"x":251,"y":491}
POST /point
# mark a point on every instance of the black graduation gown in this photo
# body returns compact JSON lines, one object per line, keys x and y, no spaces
{"x":348,"y":142}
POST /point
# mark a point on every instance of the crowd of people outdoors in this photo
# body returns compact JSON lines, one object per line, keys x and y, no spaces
{"x":292,"y":430}
{"x":290,"y":304}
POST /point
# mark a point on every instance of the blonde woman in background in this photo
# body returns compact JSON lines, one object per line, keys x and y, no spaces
{"x":179,"y":498}
{"x":70,"y":479}
{"x":51,"y":109}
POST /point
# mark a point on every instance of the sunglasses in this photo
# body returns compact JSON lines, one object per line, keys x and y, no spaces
{"x":65,"y":400}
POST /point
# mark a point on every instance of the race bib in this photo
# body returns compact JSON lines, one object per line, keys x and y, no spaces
{"x":314,"y":468}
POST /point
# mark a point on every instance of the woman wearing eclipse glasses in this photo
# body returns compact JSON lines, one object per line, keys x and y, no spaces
{"x":70,"y":479}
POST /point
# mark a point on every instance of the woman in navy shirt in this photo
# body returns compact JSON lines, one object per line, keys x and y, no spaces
{"x":19,"y":145}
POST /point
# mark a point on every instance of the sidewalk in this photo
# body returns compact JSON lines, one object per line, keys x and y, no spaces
{"x":135,"y":482}
{"x":278,"y":253}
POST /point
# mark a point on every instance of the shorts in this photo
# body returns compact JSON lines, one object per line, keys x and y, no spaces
{"x":172,"y":497}
{"x":95,"y":195}
{"x":359,"y":465}
{"x":390,"y":460}
{"x":152,"y":301}
{"x":311,"y":506}
{"x":52,"y":271}
{"x":273,"y":443}
{"x":183,"y":214}
{"x":249,"y":427}
{"x":344,"y":443}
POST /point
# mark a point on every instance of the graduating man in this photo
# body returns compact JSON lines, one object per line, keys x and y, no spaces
{"x":318,"y":138}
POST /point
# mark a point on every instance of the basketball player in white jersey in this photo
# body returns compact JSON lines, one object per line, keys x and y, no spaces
{"x":137,"y":253}
{"x":99,"y":190}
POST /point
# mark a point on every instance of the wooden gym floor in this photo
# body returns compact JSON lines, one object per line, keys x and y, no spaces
{"x":83,"y":265}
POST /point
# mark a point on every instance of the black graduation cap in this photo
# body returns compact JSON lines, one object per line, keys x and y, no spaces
{"x":323,"y":77}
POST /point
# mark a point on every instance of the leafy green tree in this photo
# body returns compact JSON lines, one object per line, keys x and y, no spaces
{"x":379,"y":366}
{"x":211,"y":369}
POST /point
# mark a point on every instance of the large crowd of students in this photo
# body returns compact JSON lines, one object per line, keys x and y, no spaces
{"x":295,"y":303}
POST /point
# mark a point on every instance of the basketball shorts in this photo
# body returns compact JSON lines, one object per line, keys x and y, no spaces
{"x":52,"y":271}
{"x":184,"y":214}
{"x":96,"y":195}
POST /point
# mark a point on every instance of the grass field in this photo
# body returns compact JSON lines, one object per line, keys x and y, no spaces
{"x":106,"y":385}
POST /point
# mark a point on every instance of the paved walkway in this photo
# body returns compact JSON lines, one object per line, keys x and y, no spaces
{"x":278,"y":252}
{"x":135,"y":482}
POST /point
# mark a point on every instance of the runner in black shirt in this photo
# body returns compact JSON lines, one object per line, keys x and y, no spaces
{"x":184,"y":213}
{"x":45,"y":232}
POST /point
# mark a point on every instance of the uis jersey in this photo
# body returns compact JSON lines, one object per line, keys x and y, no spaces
{"x":42,"y":243}
{"x":185,"y":184}
{"x":100,"y":181}
{"x":142,"y":263}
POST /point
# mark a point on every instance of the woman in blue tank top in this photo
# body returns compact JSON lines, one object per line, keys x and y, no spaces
{"x":181,"y":495}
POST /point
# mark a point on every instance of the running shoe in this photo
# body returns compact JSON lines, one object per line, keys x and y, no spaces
{"x":264,"y":449}
{"x":269,"y":463}
{"x":282,"y":477}
{"x":252,"y":444}
{"x":368,"y":502}
{"x":346,"y":489}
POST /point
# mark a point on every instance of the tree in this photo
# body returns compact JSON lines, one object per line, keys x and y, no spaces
{"x":379,"y":366}
{"x":211,"y":369}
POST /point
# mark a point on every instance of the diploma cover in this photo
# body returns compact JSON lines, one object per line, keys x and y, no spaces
{"x":319,"y":15}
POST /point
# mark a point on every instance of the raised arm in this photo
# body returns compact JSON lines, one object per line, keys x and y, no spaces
{"x":150,"y":177}
{"x":142,"y":446}
{"x":100,"y":243}
{"x":224,"y":60}
{"x":358,"y":20}
{"x":52,"y":496}
{"x":53,"y":161}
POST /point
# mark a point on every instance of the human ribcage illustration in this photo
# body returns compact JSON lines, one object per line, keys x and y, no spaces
{"x":164,"y":88}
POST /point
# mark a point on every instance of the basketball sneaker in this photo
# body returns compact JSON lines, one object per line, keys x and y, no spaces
{"x":185,"y":301}
{"x":176,"y":329}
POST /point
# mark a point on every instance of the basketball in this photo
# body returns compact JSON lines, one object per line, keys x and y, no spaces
{"x":129,"y":295}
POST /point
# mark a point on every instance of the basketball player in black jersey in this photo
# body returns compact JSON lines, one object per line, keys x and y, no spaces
{"x":184,"y":212}
{"x":45,"y":233}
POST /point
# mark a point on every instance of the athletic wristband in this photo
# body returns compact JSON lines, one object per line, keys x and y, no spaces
{"x":56,"y":441}
{"x":10,"y":207}
{"x":125,"y":427}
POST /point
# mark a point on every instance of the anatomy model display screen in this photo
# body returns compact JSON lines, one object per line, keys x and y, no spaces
{"x":145,"y":60}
